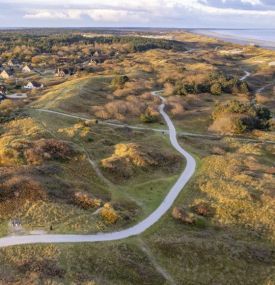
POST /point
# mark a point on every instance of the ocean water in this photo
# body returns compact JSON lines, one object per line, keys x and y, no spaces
{"x":259,"y":35}
{"x":263,"y":37}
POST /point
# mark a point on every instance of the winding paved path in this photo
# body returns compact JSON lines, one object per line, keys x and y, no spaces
{"x":132,"y":231}
{"x":247,"y":74}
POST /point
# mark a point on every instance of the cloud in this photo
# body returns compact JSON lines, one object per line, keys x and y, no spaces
{"x":51,"y":14}
{"x":117,"y":9}
{"x":96,"y":15}
{"x":252,"y":2}
{"x":145,"y":12}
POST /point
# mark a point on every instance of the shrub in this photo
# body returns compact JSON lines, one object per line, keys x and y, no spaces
{"x":108,"y":214}
{"x":203,"y":209}
{"x":50,"y":149}
{"x":201,"y":222}
{"x":237,"y":117}
{"x":119,"y":81}
{"x":215,"y":83}
{"x":183,"y":215}
{"x":216,"y":89}
{"x":85,"y":201}
{"x":147,"y":118}
{"x":244,"y":88}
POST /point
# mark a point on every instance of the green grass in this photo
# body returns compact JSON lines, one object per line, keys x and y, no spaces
{"x":150,"y":194}
{"x":76,"y":95}
{"x":135,"y":190}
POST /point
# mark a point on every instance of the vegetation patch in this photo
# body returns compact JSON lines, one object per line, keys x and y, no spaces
{"x":237,"y":117}
{"x":128,"y":157}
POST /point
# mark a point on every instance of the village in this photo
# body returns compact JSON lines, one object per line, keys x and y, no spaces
{"x":19,"y":79}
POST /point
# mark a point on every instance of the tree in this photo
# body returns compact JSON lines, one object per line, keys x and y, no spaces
{"x":244,"y":88}
{"x":147,"y":118}
{"x":119,"y":81}
{"x":216,"y":89}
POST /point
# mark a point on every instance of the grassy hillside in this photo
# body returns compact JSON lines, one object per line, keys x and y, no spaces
{"x":61,"y":174}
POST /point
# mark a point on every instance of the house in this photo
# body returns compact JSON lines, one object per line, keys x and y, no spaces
{"x":97,"y":53}
{"x":27,"y":69}
{"x":13,"y":62}
{"x":93,"y":61}
{"x":98,"y":60}
{"x":33,"y":85}
{"x":16,"y":223}
{"x":2,"y":97}
{"x":7,"y":73}
{"x":272,"y":63}
{"x":3,"y":90}
{"x":62,"y":72}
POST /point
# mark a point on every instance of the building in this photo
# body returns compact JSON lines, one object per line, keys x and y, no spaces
{"x":26,"y":69}
{"x":2,"y":97}
{"x":3,"y":90}
{"x":13,"y":62}
{"x":16,"y":223}
{"x":62,"y":72}
{"x":272,"y":63}
{"x":7,"y":73}
{"x":95,"y":60}
{"x":97,"y":53}
{"x":33,"y":85}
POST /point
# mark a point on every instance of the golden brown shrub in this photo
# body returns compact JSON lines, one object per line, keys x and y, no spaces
{"x":16,"y":191}
{"x":183,"y":215}
{"x":49,"y":149}
{"x":108,"y":214}
{"x":127,"y":157}
{"x":85,"y":201}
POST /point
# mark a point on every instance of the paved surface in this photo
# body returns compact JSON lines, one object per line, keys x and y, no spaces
{"x":132,"y":231}
{"x":17,"y":96}
{"x":247,"y":74}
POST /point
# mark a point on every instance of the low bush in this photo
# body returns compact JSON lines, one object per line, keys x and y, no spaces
{"x":119,"y":81}
{"x":148,"y":118}
{"x":238,"y":117}
{"x":183,"y":215}
{"x":49,"y":149}
{"x":108,"y":214}
{"x":203,"y":209}
{"x":216,"y":89}
{"x":84,"y":201}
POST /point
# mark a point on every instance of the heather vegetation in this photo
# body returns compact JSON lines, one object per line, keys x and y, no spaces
{"x":71,"y":163}
{"x":128,"y":158}
{"x":237,"y":117}
{"x":214,"y":83}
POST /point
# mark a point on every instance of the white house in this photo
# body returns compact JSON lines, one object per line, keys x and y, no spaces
{"x":26,"y":69}
{"x":7,"y":74}
{"x":272,"y":63}
{"x":33,"y":85}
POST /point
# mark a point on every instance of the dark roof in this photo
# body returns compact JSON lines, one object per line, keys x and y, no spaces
{"x":2,"y":97}
{"x":3,"y":89}
{"x":14,"y":60}
{"x":35,"y":83}
{"x":27,"y":65}
{"x":9,"y":71}
{"x":67,"y":71}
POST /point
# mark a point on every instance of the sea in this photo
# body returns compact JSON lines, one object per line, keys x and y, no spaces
{"x":262,"y":37}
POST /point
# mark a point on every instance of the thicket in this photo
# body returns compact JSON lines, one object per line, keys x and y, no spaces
{"x":215,"y":83}
{"x":119,"y":81}
{"x":243,"y":116}
{"x":24,"y":46}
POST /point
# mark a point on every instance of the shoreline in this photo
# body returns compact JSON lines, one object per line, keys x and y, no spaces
{"x":235,"y":39}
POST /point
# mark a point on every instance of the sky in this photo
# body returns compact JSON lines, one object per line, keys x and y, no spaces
{"x":138,"y":13}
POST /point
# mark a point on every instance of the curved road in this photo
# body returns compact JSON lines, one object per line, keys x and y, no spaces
{"x":247,"y":74}
{"x":132,"y":231}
